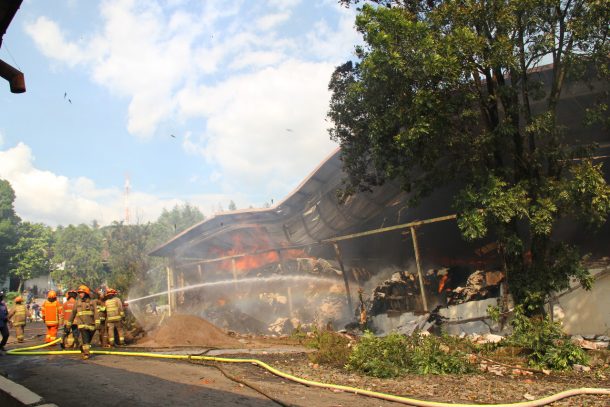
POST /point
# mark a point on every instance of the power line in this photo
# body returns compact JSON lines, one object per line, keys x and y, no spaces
{"x":13,"y":58}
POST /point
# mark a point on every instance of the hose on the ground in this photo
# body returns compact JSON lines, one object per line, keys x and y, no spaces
{"x":32,"y":351}
{"x":242,"y":382}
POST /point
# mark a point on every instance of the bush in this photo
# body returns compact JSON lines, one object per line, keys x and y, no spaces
{"x":544,"y":342}
{"x":396,"y":355}
{"x":11,"y":295}
{"x":331,"y":348}
{"x":299,"y":334}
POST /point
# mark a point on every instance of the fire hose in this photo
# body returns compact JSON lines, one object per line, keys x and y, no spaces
{"x":33,"y":351}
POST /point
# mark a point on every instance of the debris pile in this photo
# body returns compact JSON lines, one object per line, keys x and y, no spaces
{"x":479,"y":286}
{"x":189,"y":330}
{"x":284,"y":326}
{"x":396,"y":295}
{"x":592,"y":342}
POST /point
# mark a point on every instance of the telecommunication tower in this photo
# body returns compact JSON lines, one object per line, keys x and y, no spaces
{"x":126,"y":198}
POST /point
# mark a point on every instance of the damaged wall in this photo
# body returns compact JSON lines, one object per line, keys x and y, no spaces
{"x":586,"y":312}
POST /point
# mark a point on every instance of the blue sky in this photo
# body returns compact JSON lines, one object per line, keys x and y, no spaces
{"x":241,"y":85}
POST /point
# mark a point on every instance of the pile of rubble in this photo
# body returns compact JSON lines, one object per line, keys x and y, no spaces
{"x":592,"y":342}
{"x":398,"y":294}
{"x":479,"y":286}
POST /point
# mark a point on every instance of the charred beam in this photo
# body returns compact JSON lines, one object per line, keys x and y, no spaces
{"x":419,"y":273}
{"x":348,"y":293}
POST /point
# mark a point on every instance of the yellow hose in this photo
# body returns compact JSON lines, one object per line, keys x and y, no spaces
{"x":404,"y":400}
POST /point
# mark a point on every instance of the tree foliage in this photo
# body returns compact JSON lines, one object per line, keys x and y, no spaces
{"x":128,"y":247}
{"x":176,"y":220}
{"x":442,"y":92}
{"x":78,"y":256}
{"x":32,"y":252}
{"x":8,"y":227}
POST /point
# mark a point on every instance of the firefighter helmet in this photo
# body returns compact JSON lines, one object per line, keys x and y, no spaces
{"x":84,"y":289}
{"x":18,"y":299}
{"x":111,"y":291}
{"x":51,"y":294}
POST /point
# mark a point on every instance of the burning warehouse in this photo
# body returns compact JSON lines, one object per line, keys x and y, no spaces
{"x":311,"y":259}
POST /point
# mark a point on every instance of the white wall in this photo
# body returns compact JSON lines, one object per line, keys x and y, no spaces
{"x":587,"y":312}
{"x":43,"y":282}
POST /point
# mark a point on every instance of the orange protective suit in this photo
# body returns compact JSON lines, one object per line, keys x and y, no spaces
{"x":52,"y":315}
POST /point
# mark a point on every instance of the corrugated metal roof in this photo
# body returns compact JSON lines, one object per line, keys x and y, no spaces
{"x":309,"y":214}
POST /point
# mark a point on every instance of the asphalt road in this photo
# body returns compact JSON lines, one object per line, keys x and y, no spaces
{"x":133,"y":381}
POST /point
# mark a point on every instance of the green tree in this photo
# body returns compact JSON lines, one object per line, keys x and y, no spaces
{"x":172,"y":222}
{"x":128,"y":247}
{"x":32,"y":252}
{"x":8,"y":227}
{"x":232,"y":206}
{"x":78,"y":256}
{"x":440,"y":94}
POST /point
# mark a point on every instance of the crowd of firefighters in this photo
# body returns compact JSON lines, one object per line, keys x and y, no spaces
{"x":80,"y":315}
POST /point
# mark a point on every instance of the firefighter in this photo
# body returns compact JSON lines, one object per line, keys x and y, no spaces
{"x":18,"y":315}
{"x":70,"y":339}
{"x":101,"y":312}
{"x":115,"y":315}
{"x":52,"y":315}
{"x":84,"y":315}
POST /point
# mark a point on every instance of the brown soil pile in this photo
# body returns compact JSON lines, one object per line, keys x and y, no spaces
{"x":189,"y":330}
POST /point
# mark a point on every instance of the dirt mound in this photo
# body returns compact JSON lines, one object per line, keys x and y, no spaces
{"x":189,"y":330}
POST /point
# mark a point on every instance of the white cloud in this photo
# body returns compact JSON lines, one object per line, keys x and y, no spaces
{"x":50,"y":39}
{"x":283,"y":4}
{"x":265,"y":128}
{"x":332,"y":44}
{"x":43,"y":196}
{"x":257,"y":59}
{"x":270,"y":21}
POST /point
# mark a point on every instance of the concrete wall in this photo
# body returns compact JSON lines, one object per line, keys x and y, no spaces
{"x":586,"y":312}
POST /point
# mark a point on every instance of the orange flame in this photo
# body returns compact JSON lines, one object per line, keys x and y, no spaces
{"x":251,"y":241}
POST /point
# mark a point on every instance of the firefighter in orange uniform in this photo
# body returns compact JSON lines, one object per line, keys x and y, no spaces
{"x":69,"y":339}
{"x":52,"y":315}
{"x":114,"y":316}
{"x":19,"y":316}
{"x":84,"y":315}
